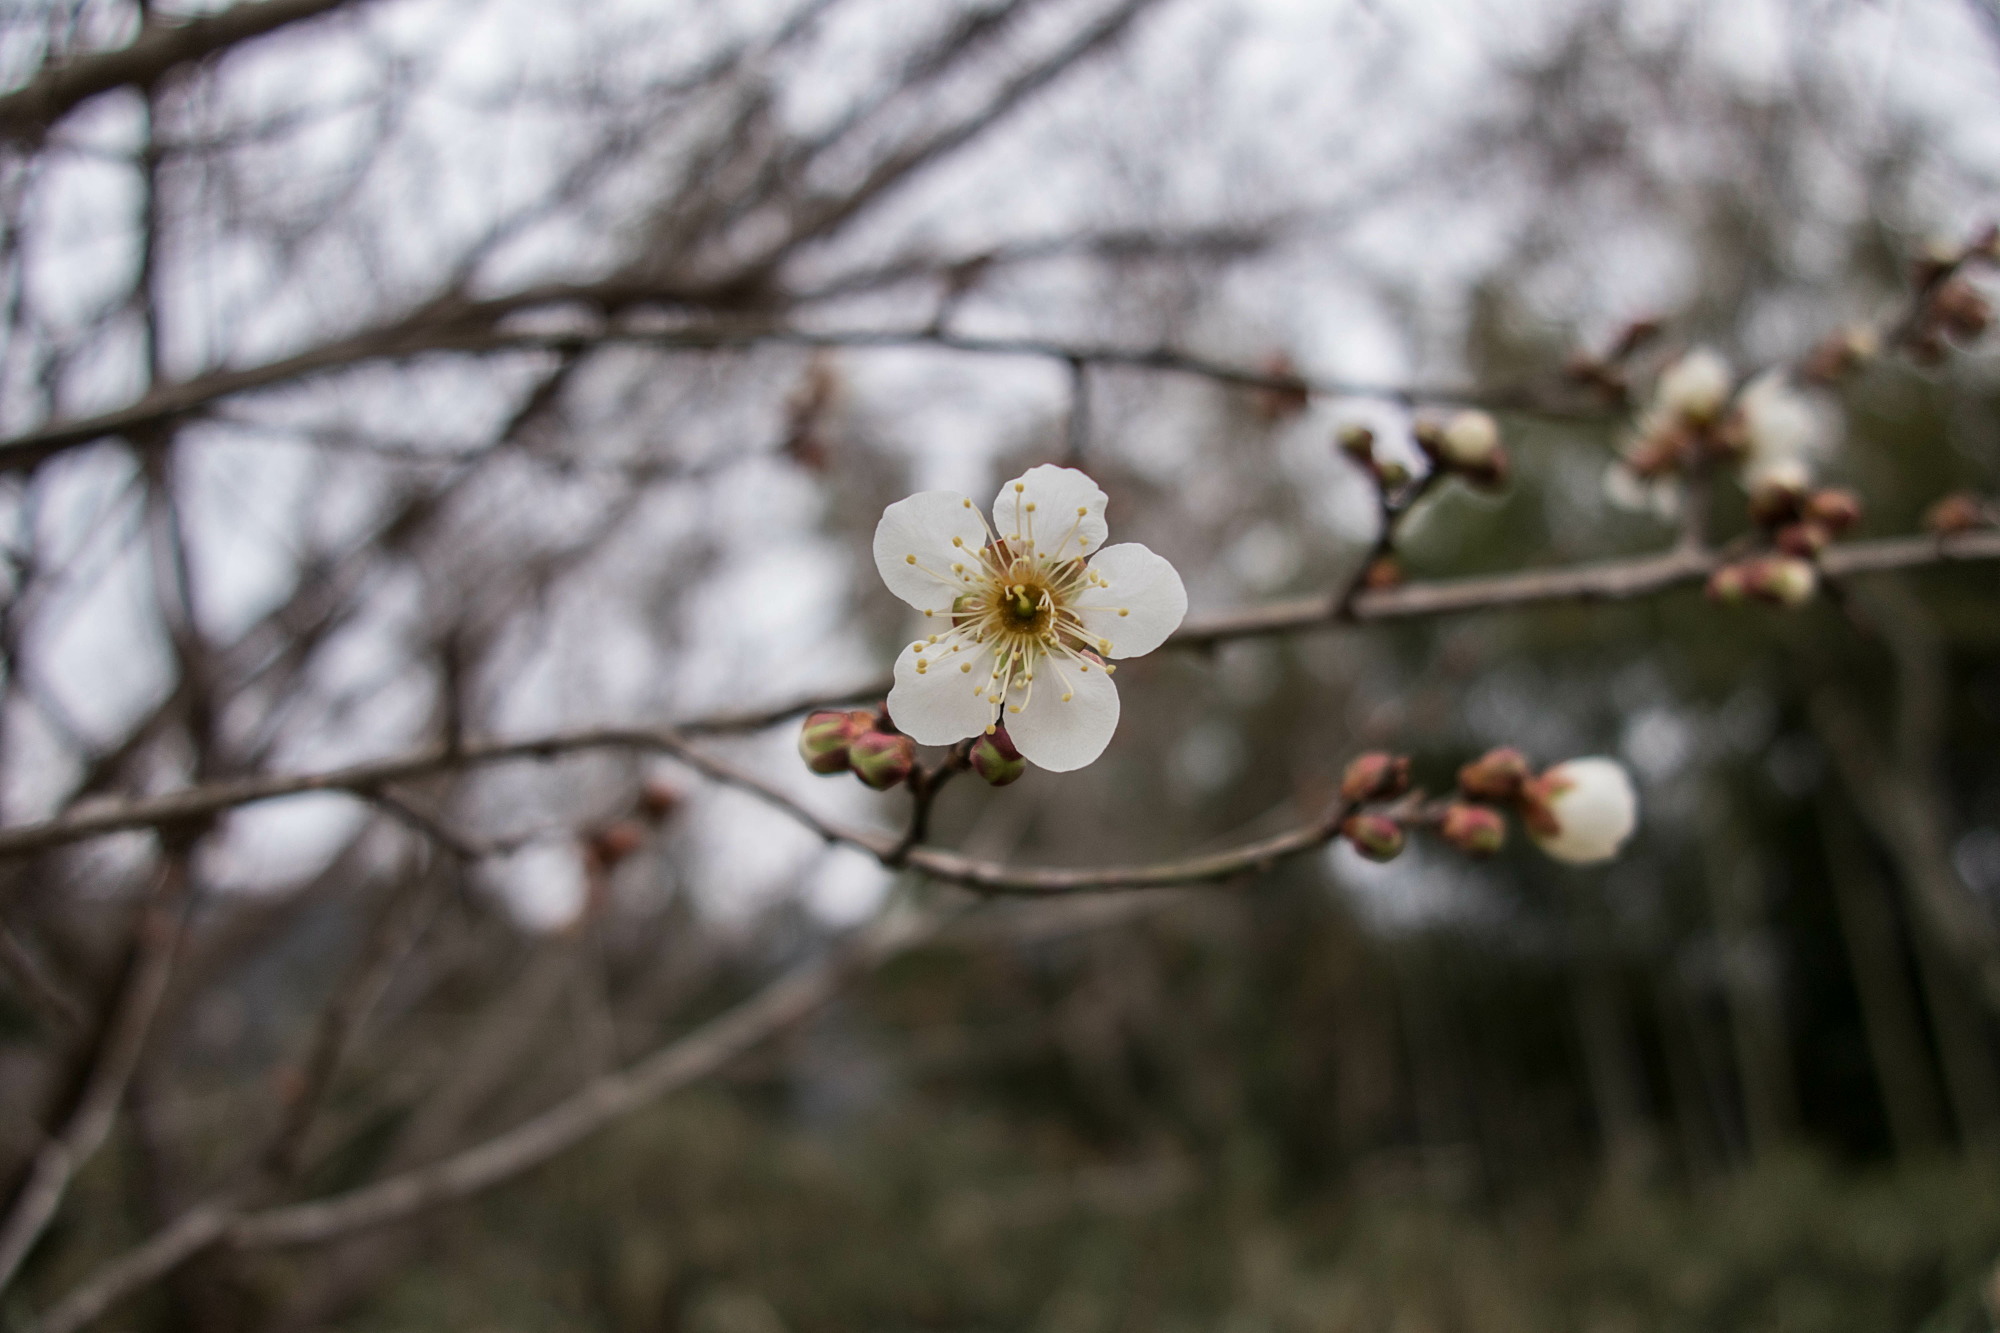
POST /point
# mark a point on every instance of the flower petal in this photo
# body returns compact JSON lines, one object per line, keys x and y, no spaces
{"x":1595,"y":808}
{"x":1059,"y":508}
{"x":914,"y":551}
{"x":946,"y":701}
{"x":1059,"y":733}
{"x":1139,"y":604}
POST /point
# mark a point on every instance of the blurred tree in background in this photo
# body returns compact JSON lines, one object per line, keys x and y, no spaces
{"x":442,"y":441}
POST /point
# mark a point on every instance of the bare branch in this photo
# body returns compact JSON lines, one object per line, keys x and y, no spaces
{"x":111,"y":1070}
{"x":160,"y":46}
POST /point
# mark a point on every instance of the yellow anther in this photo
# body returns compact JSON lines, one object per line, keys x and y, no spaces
{"x":989,"y":728}
{"x":1081,"y":511}
{"x":959,"y":541}
{"x":1013,"y":708}
{"x":1104,"y":645}
{"x":1124,"y":610}
{"x":966,"y":503}
{"x":909,"y":560}
{"x":1018,"y":487}
{"x":1067,"y":696}
{"x":965,"y":666}
{"x":1031,"y":506}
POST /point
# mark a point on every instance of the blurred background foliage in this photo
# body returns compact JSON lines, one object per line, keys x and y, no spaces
{"x":1738,"y":1080}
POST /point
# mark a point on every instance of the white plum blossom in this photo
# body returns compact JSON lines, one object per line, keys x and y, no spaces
{"x":1783,"y":433}
{"x":1024,"y":615}
{"x":1695,"y":386}
{"x":1583,"y":810}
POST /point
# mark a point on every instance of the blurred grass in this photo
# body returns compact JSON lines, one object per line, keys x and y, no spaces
{"x":708,"y":1216}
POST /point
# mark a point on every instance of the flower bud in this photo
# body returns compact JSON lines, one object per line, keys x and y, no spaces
{"x":1961,"y":309}
{"x":1389,"y":474}
{"x":1476,"y":830}
{"x":1469,"y":438}
{"x":1834,"y":509}
{"x":1729,"y":585}
{"x":1428,"y":432}
{"x":995,"y":759}
{"x":1695,"y":386}
{"x":824,"y":740}
{"x":1841,"y":354}
{"x":1581,"y":811}
{"x":1776,"y":497}
{"x":1496,"y":775}
{"x":1377,"y":837}
{"x":1469,"y":444}
{"x":616,"y":841}
{"x":1961,"y":512}
{"x":1804,"y":540}
{"x":1781,"y":580}
{"x":1357,"y":442}
{"x":1655,"y":455}
{"x":1375,"y":776}
{"x":1383,"y":572}
{"x":659,"y":799}
{"x":882,"y":760}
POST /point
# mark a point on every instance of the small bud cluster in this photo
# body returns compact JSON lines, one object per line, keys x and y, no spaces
{"x":1951,"y":308}
{"x":862,"y":742}
{"x":612,"y":842}
{"x":1799,"y":523}
{"x":1465,"y":444}
{"x":1374,"y":777}
{"x":1581,"y":811}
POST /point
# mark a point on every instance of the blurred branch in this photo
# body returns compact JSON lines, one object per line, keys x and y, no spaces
{"x":160,"y":46}
{"x":475,"y":328}
{"x":119,"y":1045}
{"x":1610,"y":580}
{"x":784,"y":1003}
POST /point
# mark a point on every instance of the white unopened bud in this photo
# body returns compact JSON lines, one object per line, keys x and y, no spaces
{"x":1695,"y":386}
{"x":1782,"y":431}
{"x":1470,"y":439}
{"x":1581,"y":811}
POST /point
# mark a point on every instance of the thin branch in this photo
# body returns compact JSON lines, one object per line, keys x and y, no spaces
{"x":117,"y":1056}
{"x":1611,"y":580}
{"x":474,"y":329}
{"x":160,"y":47}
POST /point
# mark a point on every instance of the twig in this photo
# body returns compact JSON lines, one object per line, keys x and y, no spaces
{"x":58,"y":1161}
{"x":159,"y":47}
{"x":1612,"y":580}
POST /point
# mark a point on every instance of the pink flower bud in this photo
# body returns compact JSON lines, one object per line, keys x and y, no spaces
{"x":1581,"y":811}
{"x":995,"y":759}
{"x":1804,"y":540}
{"x":881,"y":760}
{"x":1377,"y":837}
{"x":1782,"y":580}
{"x":1496,"y":775}
{"x":1728,"y":586}
{"x":1375,"y":776}
{"x":1956,"y":513}
{"x":1476,"y":830}
{"x":1834,"y":509}
{"x":1382,"y":572}
{"x":824,"y":740}
{"x":616,"y":841}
